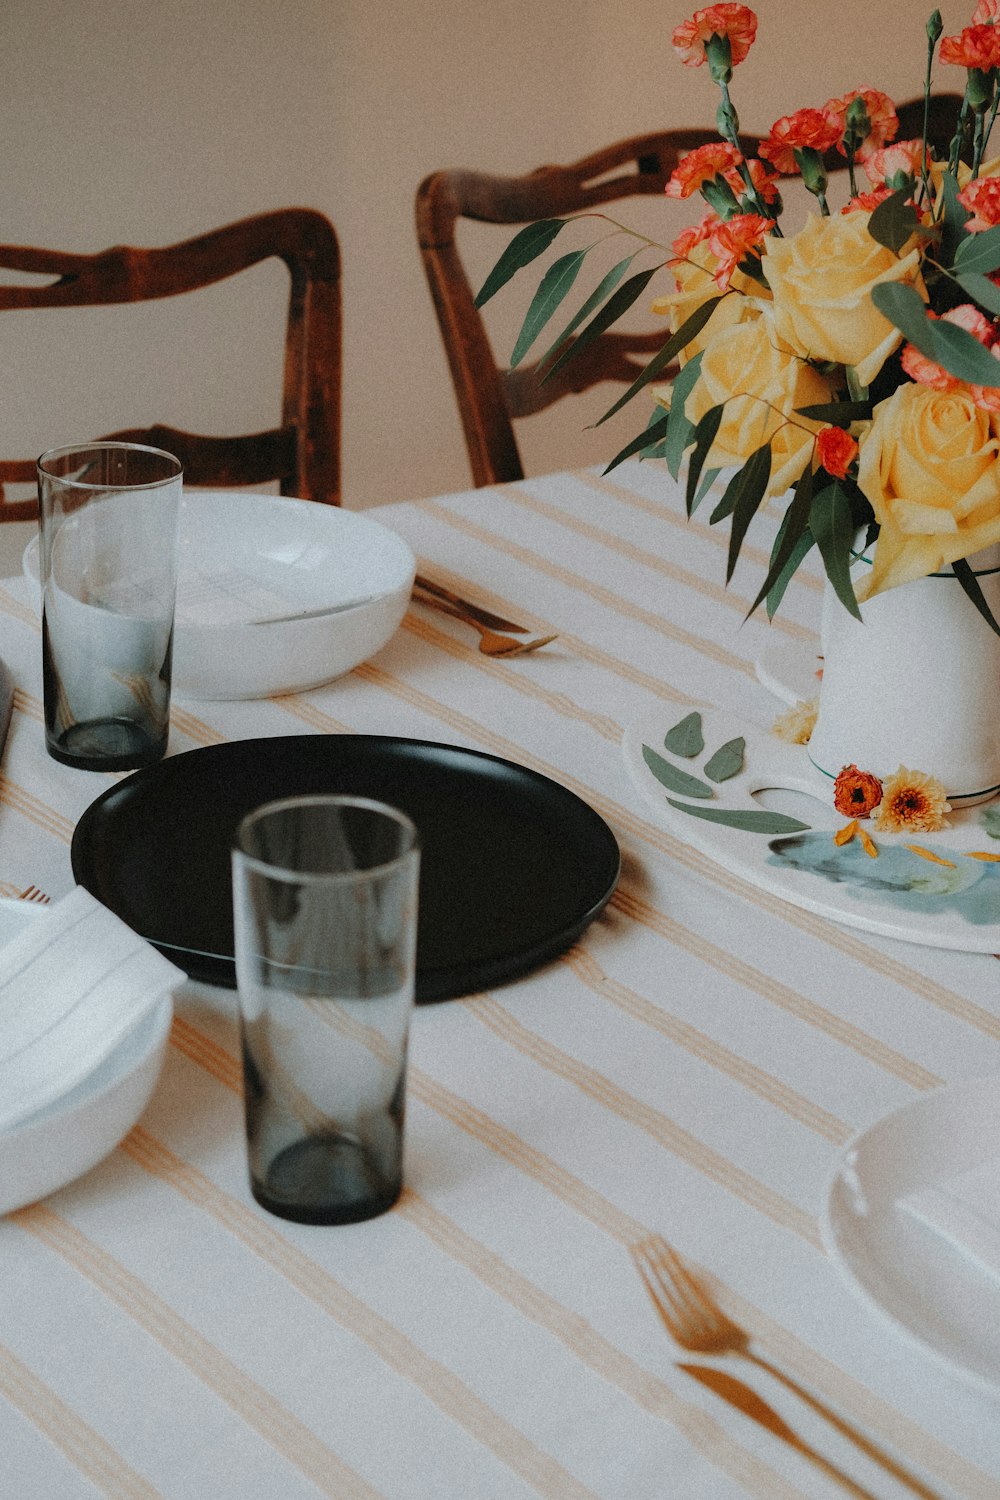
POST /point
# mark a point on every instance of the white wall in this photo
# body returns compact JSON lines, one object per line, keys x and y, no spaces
{"x":145,"y":121}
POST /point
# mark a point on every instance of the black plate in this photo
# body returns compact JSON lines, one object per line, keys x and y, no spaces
{"x":513,"y":866}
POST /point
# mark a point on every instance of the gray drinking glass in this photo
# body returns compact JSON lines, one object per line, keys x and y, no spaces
{"x":108,"y":567}
{"x":325,"y":915}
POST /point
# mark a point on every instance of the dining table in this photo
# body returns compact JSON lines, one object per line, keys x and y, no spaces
{"x":690,"y":1069}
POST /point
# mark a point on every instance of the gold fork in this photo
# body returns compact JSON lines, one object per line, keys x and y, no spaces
{"x":490,"y":642}
{"x":698,"y":1324}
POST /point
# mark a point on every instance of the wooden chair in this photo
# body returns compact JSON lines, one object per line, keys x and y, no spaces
{"x":490,"y":397}
{"x":303,"y":452}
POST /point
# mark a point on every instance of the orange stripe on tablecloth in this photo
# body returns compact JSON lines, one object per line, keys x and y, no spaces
{"x":645,"y":1117}
{"x":695,"y":1042}
{"x":193,"y":728}
{"x":35,"y":810}
{"x":30,"y":707}
{"x":640,"y":555}
{"x":95,"y":1458}
{"x":648,"y":832}
{"x":520,"y":682}
{"x":572,"y":643}
{"x":776,"y":993}
{"x":207,"y":1054}
{"x":607,"y":597}
{"x":259,"y":1408}
{"x":432,"y":1378}
{"x":300,"y":708}
{"x":20,"y":612}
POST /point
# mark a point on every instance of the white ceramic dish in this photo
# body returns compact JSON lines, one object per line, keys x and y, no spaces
{"x":61,"y":1142}
{"x":909,"y":1275}
{"x":276,"y":595}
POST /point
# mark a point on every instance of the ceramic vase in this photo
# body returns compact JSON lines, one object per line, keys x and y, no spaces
{"x":915,"y":683}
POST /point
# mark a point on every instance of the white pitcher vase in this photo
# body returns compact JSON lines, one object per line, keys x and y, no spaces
{"x":916,"y":683}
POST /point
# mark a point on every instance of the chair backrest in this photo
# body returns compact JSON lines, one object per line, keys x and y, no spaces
{"x":303,"y":453}
{"x":490,"y":397}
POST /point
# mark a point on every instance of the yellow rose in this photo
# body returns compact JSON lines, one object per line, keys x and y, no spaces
{"x":761,"y":382}
{"x":821,"y":280}
{"x":695,"y":285}
{"x":929,"y":466}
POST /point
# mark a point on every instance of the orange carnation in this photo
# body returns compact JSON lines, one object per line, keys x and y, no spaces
{"x":866,"y":202}
{"x":883,"y":121}
{"x":736,"y":22}
{"x":730,"y":242}
{"x":856,"y":793}
{"x":928,"y":371}
{"x":836,"y":450}
{"x":694,"y":234}
{"x":714,"y":159}
{"x":982,"y":199}
{"x":899,"y":157}
{"x":806,"y":129}
{"x":986,"y":13}
{"x":975,"y":47}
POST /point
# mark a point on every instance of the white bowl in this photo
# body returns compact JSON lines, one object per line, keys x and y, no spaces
{"x":66,"y":1139}
{"x":263,"y":581}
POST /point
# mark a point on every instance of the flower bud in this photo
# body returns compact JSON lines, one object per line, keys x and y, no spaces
{"x":935,"y":26}
{"x":719,"y":55}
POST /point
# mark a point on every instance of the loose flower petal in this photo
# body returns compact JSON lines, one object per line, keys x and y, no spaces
{"x":868,"y":844}
{"x":993,"y":859}
{"x":797,"y":723}
{"x":845,"y":834}
{"x":935,"y":859}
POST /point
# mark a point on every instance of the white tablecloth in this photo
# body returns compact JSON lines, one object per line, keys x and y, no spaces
{"x":692,"y":1067}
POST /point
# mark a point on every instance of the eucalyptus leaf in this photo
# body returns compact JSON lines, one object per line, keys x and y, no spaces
{"x":681,"y":431}
{"x":894,"y":220}
{"x":686,"y":737}
{"x":958,"y":352}
{"x":747,"y":821}
{"x":832,"y":525}
{"x":677,"y":341}
{"x":673,"y":778}
{"x":527,"y":245}
{"x":653,"y":434}
{"x":979,"y":252}
{"x":603,"y":289}
{"x":970,"y":583}
{"x":837,"y":413}
{"x":754,"y":475}
{"x":552,"y":289}
{"x":953,"y":219}
{"x":704,"y":437}
{"x":982,"y":290}
{"x":727,"y":761}
{"x":619,"y":302}
{"x":803,"y":546}
{"x":790,"y":545}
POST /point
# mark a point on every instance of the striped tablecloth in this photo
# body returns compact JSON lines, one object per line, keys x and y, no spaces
{"x":692,"y":1068}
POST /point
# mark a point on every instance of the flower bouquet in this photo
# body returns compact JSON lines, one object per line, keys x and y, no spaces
{"x":851,"y":367}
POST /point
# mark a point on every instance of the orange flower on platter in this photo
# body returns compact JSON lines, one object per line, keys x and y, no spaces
{"x":836,"y":450}
{"x":883,"y":122}
{"x":806,"y":129}
{"x":735,"y":22}
{"x":714,"y":159}
{"x":912,"y":802}
{"x":975,"y":47}
{"x":982,"y":199}
{"x":731,"y":242}
{"x":856,"y":793}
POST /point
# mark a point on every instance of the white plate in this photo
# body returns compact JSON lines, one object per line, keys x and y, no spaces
{"x":931,"y":1293}
{"x":246,"y":558}
{"x":61,"y":1142}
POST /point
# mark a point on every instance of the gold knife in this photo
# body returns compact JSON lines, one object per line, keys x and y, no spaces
{"x":746,"y":1400}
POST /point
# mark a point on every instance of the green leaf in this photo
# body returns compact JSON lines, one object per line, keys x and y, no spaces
{"x":749,"y":822}
{"x":686,"y":737}
{"x":681,"y":431}
{"x":727,"y":760}
{"x":656,"y":430}
{"x":553,"y":287}
{"x":958,"y":352}
{"x":603,"y":289}
{"x":776,"y":592}
{"x":970,"y":584}
{"x":832,"y":525}
{"x":979,"y":252}
{"x":894,"y":221}
{"x":673,"y":778}
{"x":752,"y":479}
{"x":612,"y":310}
{"x":677,"y":341}
{"x":704,"y":437}
{"x":837,"y":413}
{"x":953,"y":220}
{"x":982,"y":290}
{"x":527,"y":245}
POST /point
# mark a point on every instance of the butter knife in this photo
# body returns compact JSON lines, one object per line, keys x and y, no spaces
{"x":746,"y":1400}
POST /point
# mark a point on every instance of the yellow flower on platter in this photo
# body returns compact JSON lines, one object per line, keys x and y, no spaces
{"x":912,"y":802}
{"x":930,"y":466}
{"x":797,"y":723}
{"x":822,"y":279}
{"x":761,"y":382}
